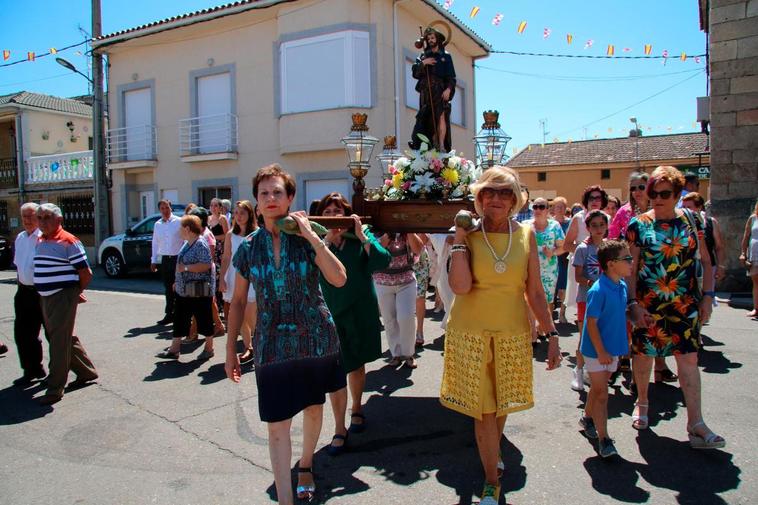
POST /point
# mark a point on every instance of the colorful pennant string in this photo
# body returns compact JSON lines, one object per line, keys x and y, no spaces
{"x":474,"y":12}
{"x":497,"y":19}
{"x":521,"y":27}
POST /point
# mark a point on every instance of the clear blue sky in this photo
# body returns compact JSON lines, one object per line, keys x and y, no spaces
{"x":569,"y":93}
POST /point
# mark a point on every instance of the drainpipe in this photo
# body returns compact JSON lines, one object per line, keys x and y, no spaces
{"x":20,"y":173}
{"x":398,"y":67}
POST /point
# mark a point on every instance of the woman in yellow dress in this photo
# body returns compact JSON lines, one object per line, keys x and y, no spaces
{"x":488,"y":351}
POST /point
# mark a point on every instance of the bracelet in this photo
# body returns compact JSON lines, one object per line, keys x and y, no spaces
{"x":631,"y":302}
{"x":458,"y":248}
{"x":709,"y":293}
{"x":552,"y":333}
{"x":459,"y":251}
{"x":320,"y":244}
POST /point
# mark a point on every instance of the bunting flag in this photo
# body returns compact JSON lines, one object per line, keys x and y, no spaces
{"x":497,"y":19}
{"x":53,"y":50}
{"x":30,"y":56}
{"x":610,"y":50}
{"x":588,"y":44}
{"x":627,"y":49}
{"x":546,"y":33}
{"x":569,"y":38}
{"x":697,"y":59}
{"x":474,"y":12}
{"x":665,"y":53}
{"x":522,"y":27}
{"x":6,"y":55}
{"x":447,"y":5}
{"x":683,"y":56}
{"x":648,"y":49}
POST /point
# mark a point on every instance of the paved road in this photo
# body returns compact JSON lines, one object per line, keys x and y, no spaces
{"x":170,"y":433}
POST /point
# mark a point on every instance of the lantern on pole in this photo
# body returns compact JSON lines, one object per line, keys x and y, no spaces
{"x":359,"y":146}
{"x":491,"y":141}
{"x":389,"y":154}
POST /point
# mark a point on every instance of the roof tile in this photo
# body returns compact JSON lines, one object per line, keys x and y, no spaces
{"x":48,"y":102}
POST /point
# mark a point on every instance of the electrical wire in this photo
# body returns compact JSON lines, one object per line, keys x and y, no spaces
{"x":628,"y":107}
{"x":42,"y":55}
{"x":593,"y":56}
{"x":578,"y":78}
{"x":35,"y":80}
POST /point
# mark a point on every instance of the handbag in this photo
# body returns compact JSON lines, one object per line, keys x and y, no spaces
{"x":196,"y":288}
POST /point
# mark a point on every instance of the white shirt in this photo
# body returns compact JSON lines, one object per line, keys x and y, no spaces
{"x":166,"y":238}
{"x":23,"y":257}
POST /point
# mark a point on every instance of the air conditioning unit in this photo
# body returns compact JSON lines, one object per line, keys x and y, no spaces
{"x":703,"y":108}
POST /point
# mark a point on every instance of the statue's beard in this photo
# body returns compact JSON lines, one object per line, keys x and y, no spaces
{"x":434,"y":47}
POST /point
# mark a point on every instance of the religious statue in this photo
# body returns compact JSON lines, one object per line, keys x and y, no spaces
{"x":435,"y":74}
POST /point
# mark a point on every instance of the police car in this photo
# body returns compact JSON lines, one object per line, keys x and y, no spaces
{"x":132,"y":249}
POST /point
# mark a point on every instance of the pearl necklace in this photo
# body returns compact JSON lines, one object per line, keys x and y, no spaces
{"x":500,"y":265}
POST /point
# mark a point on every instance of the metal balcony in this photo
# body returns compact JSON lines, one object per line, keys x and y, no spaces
{"x":133,"y":143}
{"x":8,"y":173}
{"x":208,"y":135}
{"x":59,"y":168}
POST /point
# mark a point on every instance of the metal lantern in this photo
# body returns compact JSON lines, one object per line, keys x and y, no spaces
{"x":491,"y":141}
{"x":389,"y":154}
{"x":359,"y":146}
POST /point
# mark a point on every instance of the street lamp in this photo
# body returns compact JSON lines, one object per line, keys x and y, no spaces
{"x":67,"y":64}
{"x":636,"y":134}
{"x":389,"y":154}
{"x":491,"y":141}
{"x":359,"y":146}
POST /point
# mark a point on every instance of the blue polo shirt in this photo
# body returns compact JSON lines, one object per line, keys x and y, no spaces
{"x":606,"y":302}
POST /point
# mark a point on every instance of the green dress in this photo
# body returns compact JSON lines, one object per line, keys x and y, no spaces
{"x":354,"y":306}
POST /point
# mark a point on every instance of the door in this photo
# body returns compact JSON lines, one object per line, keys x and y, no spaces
{"x":138,"y":243}
{"x":146,"y":204}
{"x":318,"y":189}
{"x":138,"y":116}
{"x":214,"y":104}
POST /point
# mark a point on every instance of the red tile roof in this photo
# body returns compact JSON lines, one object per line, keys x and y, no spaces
{"x":657,"y":147}
{"x":48,"y":102}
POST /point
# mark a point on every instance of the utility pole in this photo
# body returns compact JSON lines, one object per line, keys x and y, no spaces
{"x":543,"y":125}
{"x":102,"y":203}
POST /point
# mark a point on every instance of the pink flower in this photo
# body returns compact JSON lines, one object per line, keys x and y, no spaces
{"x":392,"y":169}
{"x":387,"y":182}
{"x":406,"y":185}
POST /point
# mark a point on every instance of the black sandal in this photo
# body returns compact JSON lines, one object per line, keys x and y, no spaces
{"x":357,"y":428}
{"x":336,"y":450}
{"x":306,"y":492}
{"x":665,"y":375}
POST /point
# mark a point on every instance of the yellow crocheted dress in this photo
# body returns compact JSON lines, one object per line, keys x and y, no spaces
{"x":488,"y":351}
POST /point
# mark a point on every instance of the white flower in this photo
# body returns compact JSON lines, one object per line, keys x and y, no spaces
{"x":419,"y":165}
{"x":423,"y":181}
{"x":402,"y":163}
{"x":453,"y":161}
{"x":457,"y":192}
{"x":424,"y":147}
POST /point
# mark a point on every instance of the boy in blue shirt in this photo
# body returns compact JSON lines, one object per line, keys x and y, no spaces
{"x":604,"y":338}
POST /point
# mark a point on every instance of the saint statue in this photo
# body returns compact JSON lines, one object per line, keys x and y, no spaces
{"x":435,"y":74}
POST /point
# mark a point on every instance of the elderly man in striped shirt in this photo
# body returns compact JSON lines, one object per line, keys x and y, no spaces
{"x":61,"y":273}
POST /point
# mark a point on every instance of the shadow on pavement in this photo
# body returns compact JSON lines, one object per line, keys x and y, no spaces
{"x":406,"y":441}
{"x":714,"y":361}
{"x":170,"y":369}
{"x":17,"y":405}
{"x":156,"y":329}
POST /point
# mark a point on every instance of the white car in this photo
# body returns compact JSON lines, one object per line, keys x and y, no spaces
{"x":132,"y":249}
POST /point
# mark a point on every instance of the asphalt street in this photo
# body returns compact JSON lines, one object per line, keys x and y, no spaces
{"x":152,"y":431}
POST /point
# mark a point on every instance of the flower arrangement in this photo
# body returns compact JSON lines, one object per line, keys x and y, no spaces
{"x":429,"y":174}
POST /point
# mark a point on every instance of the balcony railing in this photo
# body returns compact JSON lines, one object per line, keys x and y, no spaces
{"x":68,"y":167}
{"x":208,"y":134}
{"x":8,"y":173}
{"x":133,"y":143}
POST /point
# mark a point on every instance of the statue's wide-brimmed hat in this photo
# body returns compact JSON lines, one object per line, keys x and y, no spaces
{"x":442,"y":38}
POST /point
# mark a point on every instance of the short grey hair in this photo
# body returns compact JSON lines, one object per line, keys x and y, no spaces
{"x":30,"y":206}
{"x":50,"y":207}
{"x":227,"y":204}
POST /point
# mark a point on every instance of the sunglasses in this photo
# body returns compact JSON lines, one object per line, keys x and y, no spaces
{"x":595,"y":198}
{"x":502,"y":192}
{"x":640,"y":187}
{"x":539,"y":206}
{"x":665,"y":194}
{"x":628,"y":259}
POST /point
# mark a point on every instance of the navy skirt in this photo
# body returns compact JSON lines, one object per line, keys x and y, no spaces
{"x":285,"y":389}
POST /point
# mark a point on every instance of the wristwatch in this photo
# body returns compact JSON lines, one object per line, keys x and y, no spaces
{"x":186,"y":268}
{"x":552,"y":334}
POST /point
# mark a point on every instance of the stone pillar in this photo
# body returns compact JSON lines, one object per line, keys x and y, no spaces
{"x":733,"y":29}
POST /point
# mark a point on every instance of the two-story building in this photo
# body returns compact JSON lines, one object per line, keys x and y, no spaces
{"x":46,"y":156}
{"x":199,"y":102}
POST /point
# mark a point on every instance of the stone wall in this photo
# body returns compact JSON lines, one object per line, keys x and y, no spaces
{"x":733,"y":28}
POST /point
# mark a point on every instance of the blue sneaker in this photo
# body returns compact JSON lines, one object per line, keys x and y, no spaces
{"x":606,"y":449}
{"x":588,"y":426}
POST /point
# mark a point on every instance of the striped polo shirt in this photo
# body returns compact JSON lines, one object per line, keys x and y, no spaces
{"x":56,"y":261}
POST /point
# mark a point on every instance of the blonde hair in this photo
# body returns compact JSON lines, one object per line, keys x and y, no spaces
{"x":499,"y":177}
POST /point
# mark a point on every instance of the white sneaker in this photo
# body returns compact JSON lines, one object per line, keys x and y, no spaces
{"x":577,"y":383}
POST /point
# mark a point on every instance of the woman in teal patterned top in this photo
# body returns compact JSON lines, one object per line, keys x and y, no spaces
{"x":297,"y":354}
